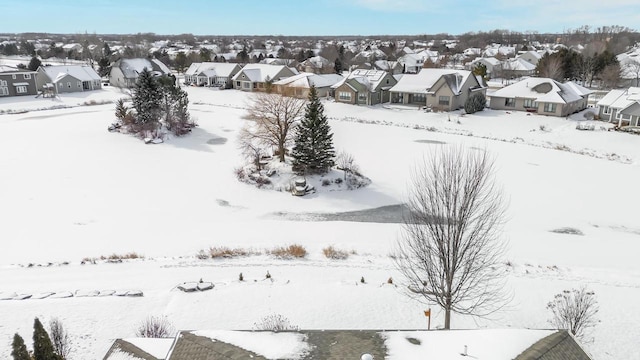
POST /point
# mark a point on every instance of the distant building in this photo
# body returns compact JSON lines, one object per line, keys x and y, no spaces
{"x":364,"y":87}
{"x":299,"y":85}
{"x":211,"y":74}
{"x":69,"y":78}
{"x":17,"y":82}
{"x":255,"y":77}
{"x":124,"y":72}
{"x":543,"y":96}
{"x":438,"y":89}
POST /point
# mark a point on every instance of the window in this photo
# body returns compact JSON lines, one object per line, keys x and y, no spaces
{"x":4,"y":91}
{"x":549,"y":107}
{"x":510,"y":102}
{"x":530,"y":104}
{"x":79,"y":84}
{"x":13,"y":76}
{"x":238,"y":83}
{"x":59,"y":84}
{"x":344,"y":96}
{"x":362,"y":97}
{"x":606,"y":110}
{"x":3,"y":83}
{"x":21,"y":89}
{"x":246,"y":85}
{"x":418,"y":98}
{"x":443,"y":100}
{"x":69,"y":85}
{"x":27,"y":76}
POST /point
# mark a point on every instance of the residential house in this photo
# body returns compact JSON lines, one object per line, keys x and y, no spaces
{"x":17,"y":82}
{"x":299,"y":85}
{"x":541,"y":95}
{"x":124,"y":72}
{"x":532,"y":57}
{"x":621,"y":106}
{"x":516,"y":68}
{"x":211,"y":74}
{"x":364,"y":87}
{"x":316,"y":65}
{"x":69,"y":78}
{"x":411,"y":63}
{"x":255,"y":77}
{"x":392,"y":67}
{"x":438,"y":89}
{"x":492,"y":64}
{"x":496,"y":344}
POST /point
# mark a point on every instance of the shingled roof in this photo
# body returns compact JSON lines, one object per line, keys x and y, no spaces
{"x":557,"y":346}
{"x":124,"y":350}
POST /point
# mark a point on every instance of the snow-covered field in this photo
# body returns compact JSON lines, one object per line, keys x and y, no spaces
{"x":71,"y":190}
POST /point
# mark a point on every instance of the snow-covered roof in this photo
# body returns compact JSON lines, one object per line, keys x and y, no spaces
{"x":306,"y":80}
{"x":261,"y":72}
{"x":624,"y":99}
{"x":132,"y":67}
{"x":385,"y":65}
{"x":11,"y":69}
{"x":611,"y":97}
{"x":371,"y":79}
{"x":544,"y":90}
{"x":629,"y":63}
{"x":158,"y":348}
{"x":211,"y":69}
{"x":489,"y":60}
{"x":271,"y":345}
{"x":533,"y":54}
{"x":422,"y":82}
{"x":317,"y":62}
{"x":80,"y":72}
{"x":518,"y":64}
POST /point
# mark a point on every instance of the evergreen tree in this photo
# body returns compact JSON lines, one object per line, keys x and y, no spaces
{"x":19,"y":349}
{"x":42,"y":347}
{"x":104,"y":66}
{"x":313,"y":151}
{"x":147,"y":97}
{"x":337,"y":66}
{"x":34,"y":64}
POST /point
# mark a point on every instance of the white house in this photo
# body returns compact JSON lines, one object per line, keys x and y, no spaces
{"x":211,"y":74}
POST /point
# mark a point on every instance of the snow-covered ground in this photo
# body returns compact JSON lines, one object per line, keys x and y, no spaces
{"x":71,"y":190}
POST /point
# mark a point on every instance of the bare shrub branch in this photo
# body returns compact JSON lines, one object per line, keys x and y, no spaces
{"x":451,"y":246}
{"x":155,"y":327}
{"x":59,"y":338}
{"x":575,"y":311}
{"x":274,"y":322}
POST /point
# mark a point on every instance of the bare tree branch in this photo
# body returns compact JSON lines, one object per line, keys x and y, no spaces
{"x":451,"y":243}
{"x":275,"y":119}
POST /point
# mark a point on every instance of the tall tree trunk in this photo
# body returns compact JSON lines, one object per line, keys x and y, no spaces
{"x":447,"y":318}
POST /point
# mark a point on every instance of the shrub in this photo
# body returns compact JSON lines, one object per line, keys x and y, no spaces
{"x":326,"y":182}
{"x":240,"y":174}
{"x":225,"y":252}
{"x":202,"y":255}
{"x":59,"y":338}
{"x":274,"y":322}
{"x":127,"y":256}
{"x":574,"y":310}
{"x":589,"y":115}
{"x":475,"y":103}
{"x":338,"y":180}
{"x":155,"y":327}
{"x":332,"y":253}
{"x":289,"y":252}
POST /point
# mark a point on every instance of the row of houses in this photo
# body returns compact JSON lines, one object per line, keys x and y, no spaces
{"x":437,"y":89}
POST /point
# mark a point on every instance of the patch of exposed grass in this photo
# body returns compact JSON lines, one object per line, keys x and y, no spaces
{"x":289,"y":252}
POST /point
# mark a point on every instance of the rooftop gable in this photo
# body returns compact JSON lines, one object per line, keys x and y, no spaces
{"x":422,"y":82}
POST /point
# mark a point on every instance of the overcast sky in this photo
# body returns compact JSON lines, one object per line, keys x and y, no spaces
{"x":312,"y":17}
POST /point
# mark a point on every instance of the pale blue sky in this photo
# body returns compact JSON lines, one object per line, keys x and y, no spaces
{"x":311,"y":17}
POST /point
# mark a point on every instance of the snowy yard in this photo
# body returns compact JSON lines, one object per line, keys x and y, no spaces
{"x":71,"y":190}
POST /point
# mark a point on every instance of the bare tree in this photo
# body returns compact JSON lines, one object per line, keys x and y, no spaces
{"x":451,"y":240}
{"x":633,"y":67}
{"x":346,"y":162}
{"x":275,"y":119}
{"x":249,"y":146}
{"x":59,"y":338}
{"x":155,"y":327}
{"x":574,"y":310}
{"x":550,"y":67}
{"x":610,"y":76}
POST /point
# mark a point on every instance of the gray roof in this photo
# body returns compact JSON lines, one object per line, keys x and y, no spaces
{"x":633,"y":109}
{"x":557,"y":346}
{"x":325,"y":344}
{"x":124,"y":350}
